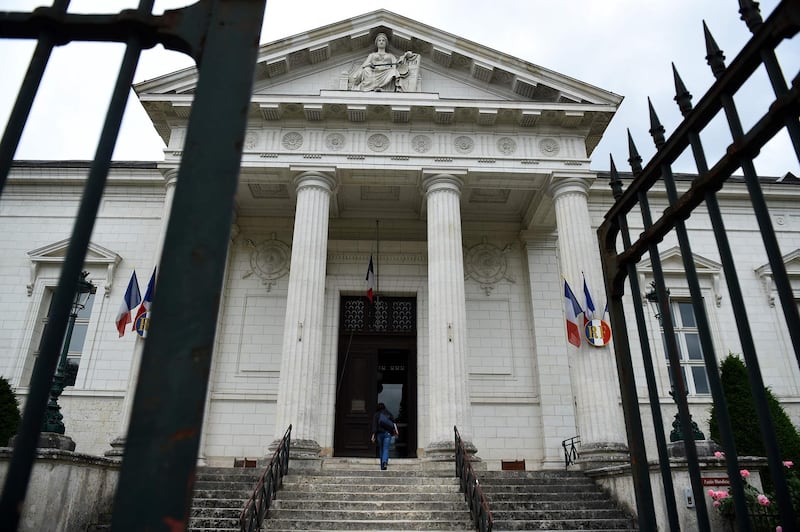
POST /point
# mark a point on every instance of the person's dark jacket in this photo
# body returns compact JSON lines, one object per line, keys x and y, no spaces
{"x":375,"y":428}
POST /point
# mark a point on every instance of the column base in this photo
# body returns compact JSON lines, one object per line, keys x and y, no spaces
{"x":117,"y":448}
{"x":304,"y":455}
{"x":445,"y":451}
{"x":604,"y":454}
{"x":51,"y":440}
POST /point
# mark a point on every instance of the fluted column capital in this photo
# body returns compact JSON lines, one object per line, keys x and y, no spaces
{"x":570,"y":183}
{"x":444,"y":181}
{"x":316,"y":179}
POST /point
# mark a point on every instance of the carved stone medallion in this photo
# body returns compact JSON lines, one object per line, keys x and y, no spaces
{"x":464,"y":144}
{"x":506,"y":145}
{"x":378,"y":142}
{"x":250,"y":141}
{"x":335,"y":141}
{"x":487,"y":264}
{"x":269,"y":260}
{"x":421,"y":143}
{"x":292,"y":141}
{"x":549,"y":147}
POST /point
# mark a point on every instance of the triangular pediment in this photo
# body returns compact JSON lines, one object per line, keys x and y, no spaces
{"x":305,"y":77}
{"x":56,"y":253}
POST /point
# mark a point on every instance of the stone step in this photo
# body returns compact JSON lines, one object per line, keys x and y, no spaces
{"x":339,"y":481}
{"x":387,"y":514}
{"x":389,"y":496}
{"x":556,"y":515}
{"x":527,"y":504}
{"x":446,"y":524}
{"x":423,"y":504}
{"x":615,"y":525}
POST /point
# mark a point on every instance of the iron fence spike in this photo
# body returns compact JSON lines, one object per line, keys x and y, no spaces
{"x":750,"y":14}
{"x":614,"y":182}
{"x":682,"y":95}
{"x":634,"y":159}
{"x":714,"y":56}
{"x":656,"y":129}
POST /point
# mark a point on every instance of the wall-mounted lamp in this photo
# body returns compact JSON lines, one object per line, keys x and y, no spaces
{"x":449,"y":332}
{"x":652,"y":298}
{"x":300,"y":331}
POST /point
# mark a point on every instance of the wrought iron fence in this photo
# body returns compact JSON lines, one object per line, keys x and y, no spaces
{"x":257,"y":507}
{"x":620,"y":256}
{"x":473,"y":493}
{"x":157,"y":472}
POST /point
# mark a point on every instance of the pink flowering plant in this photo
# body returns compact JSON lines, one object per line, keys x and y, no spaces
{"x":759,"y":503}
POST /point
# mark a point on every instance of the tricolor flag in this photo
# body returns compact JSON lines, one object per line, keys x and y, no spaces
{"x":572,"y":310}
{"x":132,"y":298}
{"x":588,"y":314}
{"x":370,"y":280}
{"x":146,"y":302}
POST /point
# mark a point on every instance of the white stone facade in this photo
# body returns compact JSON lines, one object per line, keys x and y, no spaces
{"x":467,"y":181}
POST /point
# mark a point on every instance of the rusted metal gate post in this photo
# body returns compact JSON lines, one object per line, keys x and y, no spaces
{"x":223,"y":37}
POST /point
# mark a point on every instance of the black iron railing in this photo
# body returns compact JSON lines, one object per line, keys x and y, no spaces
{"x":620,"y":255}
{"x":478,"y":507}
{"x":570,"y":446}
{"x":156,"y":479}
{"x":257,"y":507}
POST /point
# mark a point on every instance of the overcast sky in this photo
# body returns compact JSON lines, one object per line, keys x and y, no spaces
{"x":623,"y":46}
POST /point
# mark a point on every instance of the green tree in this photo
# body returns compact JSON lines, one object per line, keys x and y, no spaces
{"x":9,"y":412}
{"x":742,"y":412}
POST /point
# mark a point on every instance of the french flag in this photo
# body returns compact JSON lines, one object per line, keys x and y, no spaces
{"x":146,"y":302}
{"x":132,"y":298}
{"x":588,"y":314}
{"x":572,"y":309}
{"x":370,"y":280}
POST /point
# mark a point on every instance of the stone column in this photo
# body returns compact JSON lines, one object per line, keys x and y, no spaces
{"x":448,"y":386}
{"x":298,"y":391}
{"x":593,"y":369}
{"x":118,"y":443}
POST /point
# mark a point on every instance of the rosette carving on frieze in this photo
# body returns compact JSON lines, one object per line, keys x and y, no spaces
{"x":487,"y":264}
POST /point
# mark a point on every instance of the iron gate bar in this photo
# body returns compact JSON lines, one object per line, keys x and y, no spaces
{"x":223,"y":37}
{"x":655,"y":405}
{"x":27,"y":92}
{"x":783,"y":23}
{"x":21,"y":463}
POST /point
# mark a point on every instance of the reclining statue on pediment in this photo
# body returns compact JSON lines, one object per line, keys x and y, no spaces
{"x":383,"y":72}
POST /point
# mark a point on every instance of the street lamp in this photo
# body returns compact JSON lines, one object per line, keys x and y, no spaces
{"x":676,"y":434}
{"x":652,"y":298}
{"x":53,"y":421}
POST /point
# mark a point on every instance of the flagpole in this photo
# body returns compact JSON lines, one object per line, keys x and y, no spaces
{"x":377,"y":259}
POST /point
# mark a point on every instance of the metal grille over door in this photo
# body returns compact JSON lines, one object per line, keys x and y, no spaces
{"x":387,"y":315}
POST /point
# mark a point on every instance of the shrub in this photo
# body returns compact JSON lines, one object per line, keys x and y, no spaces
{"x":9,"y":412}
{"x":742,"y":412}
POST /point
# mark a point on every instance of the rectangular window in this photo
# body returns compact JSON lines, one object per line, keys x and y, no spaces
{"x":77,"y":340}
{"x":690,"y":352}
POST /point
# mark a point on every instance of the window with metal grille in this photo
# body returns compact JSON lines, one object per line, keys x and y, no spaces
{"x":77,"y":341}
{"x":690,"y":351}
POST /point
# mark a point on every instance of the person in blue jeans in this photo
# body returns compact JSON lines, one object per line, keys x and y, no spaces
{"x":383,"y":429}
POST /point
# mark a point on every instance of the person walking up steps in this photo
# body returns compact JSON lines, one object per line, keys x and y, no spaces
{"x":383,"y":428}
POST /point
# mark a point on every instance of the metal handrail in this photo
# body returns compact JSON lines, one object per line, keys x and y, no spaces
{"x":571,"y":454}
{"x":257,"y":507}
{"x":478,"y":507}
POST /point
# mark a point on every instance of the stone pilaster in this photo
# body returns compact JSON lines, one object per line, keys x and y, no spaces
{"x":298,"y":392}
{"x":593,"y":369}
{"x":118,"y":443}
{"x":447,"y":318}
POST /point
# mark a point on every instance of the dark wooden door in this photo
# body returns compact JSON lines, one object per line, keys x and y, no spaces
{"x":356,"y":399}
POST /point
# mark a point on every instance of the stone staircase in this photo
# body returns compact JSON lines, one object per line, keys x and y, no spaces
{"x":354,"y":494}
{"x":219,"y":496}
{"x":550,"y":500}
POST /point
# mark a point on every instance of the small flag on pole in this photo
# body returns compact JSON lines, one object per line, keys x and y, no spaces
{"x":588,"y":314}
{"x":572,"y":310}
{"x":132,"y":298}
{"x":140,"y":326}
{"x":370,"y":280}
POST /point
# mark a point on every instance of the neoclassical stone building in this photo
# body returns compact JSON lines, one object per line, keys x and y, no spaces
{"x":463,"y":174}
